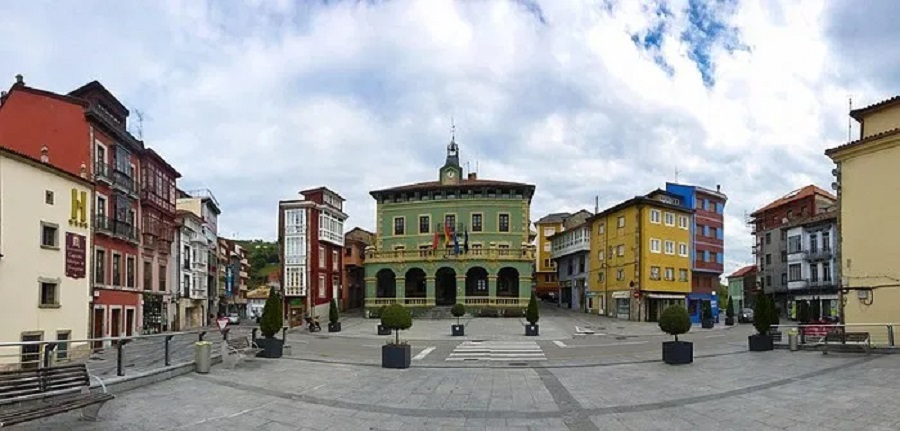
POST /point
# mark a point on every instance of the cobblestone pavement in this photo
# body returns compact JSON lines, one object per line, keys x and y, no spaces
{"x":776,"y":390}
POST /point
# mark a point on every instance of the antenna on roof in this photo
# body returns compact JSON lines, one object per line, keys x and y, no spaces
{"x":850,"y":122}
{"x":676,"y":173}
{"x":140,"y":124}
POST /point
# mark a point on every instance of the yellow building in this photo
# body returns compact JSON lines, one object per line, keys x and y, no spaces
{"x":868,"y":181}
{"x":45,"y":236}
{"x":545,"y":277}
{"x":640,"y":256}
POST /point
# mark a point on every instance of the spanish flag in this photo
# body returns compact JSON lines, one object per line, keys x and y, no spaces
{"x":435,"y":241}
{"x":446,"y":234}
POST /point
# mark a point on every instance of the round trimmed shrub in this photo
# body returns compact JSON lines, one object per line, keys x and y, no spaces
{"x":675,"y":321}
{"x":396,"y":318}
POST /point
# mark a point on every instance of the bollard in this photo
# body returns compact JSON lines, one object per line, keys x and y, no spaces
{"x":120,"y":357}
{"x":284,"y":333}
{"x":225,"y":334}
{"x":48,"y":354}
{"x":253,"y":334}
{"x":202,"y":333}
{"x":890,"y":331}
{"x":168,"y":351}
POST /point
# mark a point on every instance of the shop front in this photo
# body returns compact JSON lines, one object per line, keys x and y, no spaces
{"x":622,"y":303}
{"x":295,"y":310}
{"x":695,"y":305}
{"x":658,"y":302}
{"x":154,"y":314}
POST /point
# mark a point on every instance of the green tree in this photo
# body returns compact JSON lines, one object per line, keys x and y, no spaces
{"x":729,"y":311}
{"x":396,"y":318}
{"x":334,"y":315}
{"x":532,"y":313}
{"x":803,"y":312}
{"x":272,"y":319}
{"x":675,"y":321}
{"x":706,"y":309}
{"x":458,"y":310}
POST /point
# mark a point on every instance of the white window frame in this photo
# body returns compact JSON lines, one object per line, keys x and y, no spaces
{"x":655,"y":245}
{"x":620,"y":222}
{"x":654,"y":216}
{"x":322,"y":292}
{"x":682,"y":249}
{"x":669,"y":219}
{"x":670,"y":247}
{"x":683,"y":222}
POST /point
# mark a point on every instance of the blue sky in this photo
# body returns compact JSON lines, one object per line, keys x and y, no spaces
{"x":257,"y":100}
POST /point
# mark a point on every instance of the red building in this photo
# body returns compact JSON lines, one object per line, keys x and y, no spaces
{"x":85,"y":133}
{"x":353,"y":285}
{"x":311,"y":242}
{"x":158,"y":226}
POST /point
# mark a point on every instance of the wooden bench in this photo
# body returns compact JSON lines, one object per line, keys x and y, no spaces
{"x":26,"y":395}
{"x":860,"y":339}
{"x":240,"y":348}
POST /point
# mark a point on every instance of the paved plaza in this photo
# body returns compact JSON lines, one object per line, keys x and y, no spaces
{"x":745,"y":391}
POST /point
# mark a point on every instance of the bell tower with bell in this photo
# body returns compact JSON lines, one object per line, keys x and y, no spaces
{"x":451,"y":172}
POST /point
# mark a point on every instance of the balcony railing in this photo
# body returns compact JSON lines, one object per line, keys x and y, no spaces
{"x":198,"y":294}
{"x":125,"y":183}
{"x":469,"y":302}
{"x":103,"y":224}
{"x":819,"y":254}
{"x":101,"y":172}
{"x":519,"y":254}
{"x":117,"y":228}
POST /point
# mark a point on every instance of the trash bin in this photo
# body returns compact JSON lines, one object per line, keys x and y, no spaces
{"x":792,"y":340}
{"x":202,"y":353}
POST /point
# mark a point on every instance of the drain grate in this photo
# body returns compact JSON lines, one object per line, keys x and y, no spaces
{"x":518,"y":364}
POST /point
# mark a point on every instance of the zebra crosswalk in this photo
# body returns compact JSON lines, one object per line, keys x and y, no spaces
{"x":497,"y":351}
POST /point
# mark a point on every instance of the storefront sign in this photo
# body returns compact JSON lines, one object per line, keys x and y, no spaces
{"x":78,"y":216}
{"x":76,"y":255}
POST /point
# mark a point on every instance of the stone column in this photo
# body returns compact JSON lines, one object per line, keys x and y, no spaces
{"x":461,"y":289}
{"x":371,"y":287}
{"x":401,"y":289}
{"x":492,"y":286}
{"x":429,"y":289}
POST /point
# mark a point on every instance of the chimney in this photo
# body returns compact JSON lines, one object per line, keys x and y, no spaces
{"x":473,"y":176}
{"x":719,"y":188}
{"x":45,"y":157}
{"x":596,"y":204}
{"x":20,"y":79}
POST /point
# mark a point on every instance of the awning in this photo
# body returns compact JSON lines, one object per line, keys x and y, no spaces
{"x":621,"y":294}
{"x":665,"y":296}
{"x":814,"y":297}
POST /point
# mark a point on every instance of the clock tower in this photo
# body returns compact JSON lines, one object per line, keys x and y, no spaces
{"x":451,"y":172}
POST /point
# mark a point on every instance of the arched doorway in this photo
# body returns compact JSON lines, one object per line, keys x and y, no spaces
{"x":508,"y":282}
{"x":445,"y":286}
{"x":415,"y":283}
{"x":476,"y":281}
{"x":385,"y":284}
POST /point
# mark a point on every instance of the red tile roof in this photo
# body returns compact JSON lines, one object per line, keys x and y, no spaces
{"x":795,"y":195}
{"x":857,"y":114}
{"x":747,"y":270}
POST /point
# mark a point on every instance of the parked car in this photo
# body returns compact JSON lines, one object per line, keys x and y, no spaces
{"x":234,"y":318}
{"x":746,"y":316}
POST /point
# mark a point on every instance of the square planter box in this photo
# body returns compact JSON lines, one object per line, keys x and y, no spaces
{"x":395,"y":356}
{"x":334,"y":327}
{"x":458,"y":330}
{"x":708,"y":324}
{"x":761,"y":343}
{"x":271,"y":347}
{"x":678,"y":352}
{"x":531,"y":330}
{"x":383,"y":331}
{"x":729,"y":321}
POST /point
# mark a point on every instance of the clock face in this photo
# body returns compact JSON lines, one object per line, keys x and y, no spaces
{"x":451,"y":174}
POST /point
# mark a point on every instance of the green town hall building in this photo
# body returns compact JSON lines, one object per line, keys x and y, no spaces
{"x":454,"y":240}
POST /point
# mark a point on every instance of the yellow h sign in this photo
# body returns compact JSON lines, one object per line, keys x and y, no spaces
{"x":79,"y":206}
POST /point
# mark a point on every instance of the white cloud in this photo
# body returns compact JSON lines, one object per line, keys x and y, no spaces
{"x":260,"y":100}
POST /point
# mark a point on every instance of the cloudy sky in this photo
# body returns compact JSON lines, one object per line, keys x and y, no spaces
{"x":260,"y":99}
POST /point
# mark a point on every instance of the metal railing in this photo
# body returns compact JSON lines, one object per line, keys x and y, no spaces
{"x":524,"y":254}
{"x":813,"y":334}
{"x":104,"y":356}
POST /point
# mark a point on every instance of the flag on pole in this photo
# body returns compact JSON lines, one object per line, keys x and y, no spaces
{"x":455,"y":242}
{"x":446,"y":234}
{"x":435,"y":241}
{"x":466,"y":241}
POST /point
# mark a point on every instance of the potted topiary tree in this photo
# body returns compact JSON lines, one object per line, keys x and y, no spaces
{"x":382,"y":330}
{"x":729,"y":313}
{"x":395,"y":354}
{"x":458,"y":311}
{"x":532,"y":314}
{"x":675,"y":321}
{"x":706,"y":315}
{"x":334,"y":317}
{"x":269,"y":325}
{"x":763,"y":316}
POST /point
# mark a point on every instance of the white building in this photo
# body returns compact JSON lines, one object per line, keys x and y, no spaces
{"x":811,"y":263}
{"x":45,"y":238}
{"x":191,"y":273}
{"x":571,"y":249}
{"x":204,"y":205}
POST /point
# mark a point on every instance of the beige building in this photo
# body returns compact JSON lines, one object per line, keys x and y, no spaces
{"x":868,"y":184}
{"x":45,"y":238}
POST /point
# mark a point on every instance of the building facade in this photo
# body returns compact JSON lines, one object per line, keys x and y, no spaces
{"x":545,"y":276}
{"x":158,"y":228}
{"x":311,"y":248}
{"x":811,"y":265}
{"x":867,"y":182}
{"x":455,"y":240}
{"x":236,"y":267}
{"x":570,"y":251}
{"x":204,"y":205}
{"x":741,"y":288}
{"x":354,"y":276}
{"x":641,"y":249}
{"x":770,"y":240}
{"x":45,"y":243}
{"x":190,"y":275}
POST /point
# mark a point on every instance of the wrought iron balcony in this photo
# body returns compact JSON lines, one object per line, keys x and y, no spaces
{"x":117,"y":228}
{"x":101,"y":172}
{"x":103,"y":224}
{"x":819,"y":254}
{"x":508,"y":254}
{"x":122,"y":181}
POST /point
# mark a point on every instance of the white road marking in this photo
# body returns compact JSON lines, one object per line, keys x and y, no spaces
{"x":560,"y":344}
{"x":714,"y":336}
{"x":579,"y":330}
{"x":423,"y":354}
{"x":497,"y":351}
{"x":624,"y":343}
